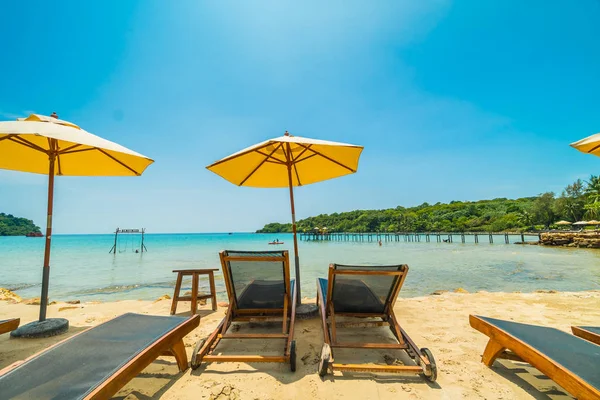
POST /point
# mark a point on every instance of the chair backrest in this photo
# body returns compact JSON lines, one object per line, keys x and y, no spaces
{"x":365,"y":289}
{"x":256,"y":279}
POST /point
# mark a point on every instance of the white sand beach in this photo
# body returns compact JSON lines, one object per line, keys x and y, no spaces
{"x":439,"y":322}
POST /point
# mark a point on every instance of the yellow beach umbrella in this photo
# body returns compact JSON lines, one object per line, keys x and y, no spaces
{"x":563,"y":223}
{"x":48,"y":145}
{"x":589,"y":145}
{"x":289,"y":161}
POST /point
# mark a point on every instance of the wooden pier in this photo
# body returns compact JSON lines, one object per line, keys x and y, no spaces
{"x":439,"y":237}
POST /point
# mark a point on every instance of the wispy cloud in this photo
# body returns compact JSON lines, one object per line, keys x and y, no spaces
{"x":11,"y":116}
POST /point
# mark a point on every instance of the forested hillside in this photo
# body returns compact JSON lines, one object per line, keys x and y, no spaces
{"x":577,"y":201}
{"x":15,"y":226}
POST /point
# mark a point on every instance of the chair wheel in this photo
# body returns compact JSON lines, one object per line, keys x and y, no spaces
{"x":196,"y":359}
{"x":293,"y":356}
{"x":429,"y":356}
{"x":324,"y":362}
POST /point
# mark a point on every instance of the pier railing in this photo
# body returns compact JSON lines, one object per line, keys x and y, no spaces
{"x":439,"y":237}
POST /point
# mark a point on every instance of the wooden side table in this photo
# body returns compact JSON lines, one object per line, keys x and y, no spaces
{"x":195,"y":273}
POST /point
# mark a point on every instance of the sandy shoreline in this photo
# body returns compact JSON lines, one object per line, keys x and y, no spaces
{"x":437,"y":322}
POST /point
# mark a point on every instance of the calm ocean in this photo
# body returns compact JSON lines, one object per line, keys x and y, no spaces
{"x":82,"y":268}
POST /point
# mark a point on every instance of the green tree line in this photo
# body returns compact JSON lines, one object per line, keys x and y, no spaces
{"x":577,"y":201}
{"x":15,"y":226}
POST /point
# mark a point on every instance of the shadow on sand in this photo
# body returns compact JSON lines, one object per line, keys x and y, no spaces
{"x":538,"y":385}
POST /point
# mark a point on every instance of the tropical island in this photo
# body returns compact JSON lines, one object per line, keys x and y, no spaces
{"x":17,"y":226}
{"x":581,"y":199}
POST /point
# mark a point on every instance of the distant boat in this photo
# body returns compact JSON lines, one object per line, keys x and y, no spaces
{"x":275,"y":242}
{"x":34,"y":234}
{"x":231,"y":233}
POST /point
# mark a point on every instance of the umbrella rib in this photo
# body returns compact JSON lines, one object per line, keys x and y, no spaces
{"x":25,"y":142}
{"x":117,"y":160}
{"x":7,"y":137}
{"x":66,"y":149}
{"x":593,"y":149}
{"x":302,"y":152}
{"x":297,"y":175}
{"x":77,"y":151}
{"x":259,"y":165}
{"x":58,"y":161}
{"x":53,"y":146}
{"x":238,"y":155}
{"x":277,"y":160}
{"x":291,"y":164}
{"x":305,"y":158}
{"x":329,"y":158}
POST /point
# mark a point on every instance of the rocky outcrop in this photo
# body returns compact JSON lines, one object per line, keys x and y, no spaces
{"x":9,"y":296}
{"x":590,"y":240}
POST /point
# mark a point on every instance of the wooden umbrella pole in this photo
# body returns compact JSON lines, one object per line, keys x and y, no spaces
{"x":296,"y":258}
{"x":46,"y":270}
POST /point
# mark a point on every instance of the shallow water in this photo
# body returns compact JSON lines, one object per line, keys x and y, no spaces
{"x":82,"y":268}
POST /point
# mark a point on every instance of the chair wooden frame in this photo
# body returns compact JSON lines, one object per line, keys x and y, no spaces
{"x":169,"y":344}
{"x":9,"y":325}
{"x":425,"y":363}
{"x":586,"y":334}
{"x":287,"y":315}
{"x":506,"y":346}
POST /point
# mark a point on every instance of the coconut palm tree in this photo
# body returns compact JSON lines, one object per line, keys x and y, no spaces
{"x":593,"y":189}
{"x":592,"y":192}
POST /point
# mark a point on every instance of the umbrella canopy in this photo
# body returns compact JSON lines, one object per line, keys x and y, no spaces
{"x":289,"y":161}
{"x":563,"y":223}
{"x":266,"y":164}
{"x":26,"y":144}
{"x":589,"y":145}
{"x":48,"y":145}
{"x":593,"y":222}
{"x":581,"y":223}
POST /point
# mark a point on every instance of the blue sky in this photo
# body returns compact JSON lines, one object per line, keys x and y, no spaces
{"x":452,"y":101}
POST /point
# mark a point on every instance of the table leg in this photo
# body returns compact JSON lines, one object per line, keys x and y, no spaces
{"x":176,"y":294}
{"x":194,"y":293}
{"x":213,"y":292}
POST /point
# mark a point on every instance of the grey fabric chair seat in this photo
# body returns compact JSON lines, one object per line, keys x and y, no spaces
{"x":352,"y":296}
{"x":580,"y":357}
{"x":263,"y":294}
{"x":74,"y":368}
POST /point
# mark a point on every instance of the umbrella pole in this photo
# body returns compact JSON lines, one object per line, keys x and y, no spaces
{"x":296,"y":258}
{"x":46,"y":270}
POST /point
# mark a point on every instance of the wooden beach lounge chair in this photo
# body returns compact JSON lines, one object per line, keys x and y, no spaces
{"x":97,"y":362}
{"x":591,"y":333}
{"x":8,"y":325}
{"x":571,"y":362}
{"x":366,"y":292}
{"x":259,"y":289}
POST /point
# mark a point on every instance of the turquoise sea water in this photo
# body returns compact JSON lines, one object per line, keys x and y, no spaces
{"x":82,"y":268}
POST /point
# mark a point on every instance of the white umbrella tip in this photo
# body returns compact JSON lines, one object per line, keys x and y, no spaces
{"x":53,"y":118}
